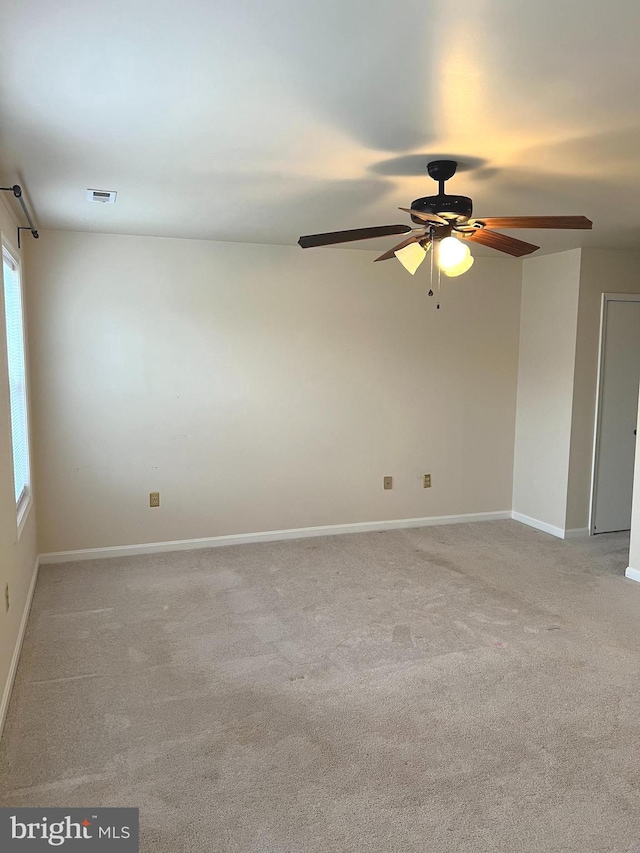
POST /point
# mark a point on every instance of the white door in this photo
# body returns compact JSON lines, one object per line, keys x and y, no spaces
{"x":617,"y":413}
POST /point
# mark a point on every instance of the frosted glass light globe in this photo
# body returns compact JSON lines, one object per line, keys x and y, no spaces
{"x":451,"y":253}
{"x":466,"y":264}
{"x":411,"y":257}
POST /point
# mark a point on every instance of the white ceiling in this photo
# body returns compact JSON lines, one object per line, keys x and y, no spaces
{"x":260,"y":120}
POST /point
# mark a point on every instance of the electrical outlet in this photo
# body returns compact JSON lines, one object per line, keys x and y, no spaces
{"x":426,"y":481}
{"x":154,"y":498}
{"x":387,"y":482}
{"x":6,"y":598}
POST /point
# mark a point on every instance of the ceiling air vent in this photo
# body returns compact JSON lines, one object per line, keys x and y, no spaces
{"x":102,"y":196}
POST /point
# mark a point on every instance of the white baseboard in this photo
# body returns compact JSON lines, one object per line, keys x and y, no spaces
{"x":571,"y":533}
{"x":6,"y":696}
{"x":267,"y":536}
{"x":539,"y":525}
{"x":632,"y":574}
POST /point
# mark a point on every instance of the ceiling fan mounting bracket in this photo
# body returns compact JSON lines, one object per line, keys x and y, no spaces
{"x":457,"y":209}
{"x":442,"y":170}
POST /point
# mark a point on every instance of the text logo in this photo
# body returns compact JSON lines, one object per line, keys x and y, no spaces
{"x":105,"y":830}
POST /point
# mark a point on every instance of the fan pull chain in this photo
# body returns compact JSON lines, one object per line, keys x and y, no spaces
{"x":438,"y":305}
{"x":433,"y":251}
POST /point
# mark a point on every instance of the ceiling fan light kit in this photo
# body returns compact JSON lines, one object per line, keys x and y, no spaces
{"x":445,"y":221}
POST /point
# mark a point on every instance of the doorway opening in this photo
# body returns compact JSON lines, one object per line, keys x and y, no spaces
{"x":616,"y":413}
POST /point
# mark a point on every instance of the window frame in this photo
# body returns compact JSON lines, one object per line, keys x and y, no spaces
{"x":25,"y":501}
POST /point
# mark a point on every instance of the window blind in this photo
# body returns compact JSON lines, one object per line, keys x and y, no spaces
{"x":17,"y":376}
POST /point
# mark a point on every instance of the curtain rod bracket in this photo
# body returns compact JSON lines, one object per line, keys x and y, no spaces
{"x":26,"y":228}
{"x":16,"y":189}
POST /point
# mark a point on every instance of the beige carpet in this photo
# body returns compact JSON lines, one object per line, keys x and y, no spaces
{"x":461,"y":688}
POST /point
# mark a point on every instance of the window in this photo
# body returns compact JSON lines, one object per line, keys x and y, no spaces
{"x":17,"y":380}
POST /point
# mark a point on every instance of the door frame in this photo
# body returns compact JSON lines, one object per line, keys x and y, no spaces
{"x":606,"y":299}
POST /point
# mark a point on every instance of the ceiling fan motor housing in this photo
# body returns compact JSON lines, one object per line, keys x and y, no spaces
{"x":456,"y":208}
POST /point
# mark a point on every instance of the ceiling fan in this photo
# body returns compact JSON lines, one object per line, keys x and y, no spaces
{"x":444,"y":221}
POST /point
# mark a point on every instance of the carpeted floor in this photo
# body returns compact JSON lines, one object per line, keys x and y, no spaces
{"x":464,"y":688}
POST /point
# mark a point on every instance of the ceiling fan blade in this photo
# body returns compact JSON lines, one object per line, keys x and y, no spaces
{"x":425,"y":217}
{"x":415,"y":238}
{"x":501,"y":242}
{"x":333,"y":237}
{"x":580,"y":222}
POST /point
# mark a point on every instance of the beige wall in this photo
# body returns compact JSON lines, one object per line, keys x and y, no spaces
{"x":548,"y":326}
{"x":602,"y":271}
{"x":17,"y":555}
{"x":261,"y":387}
